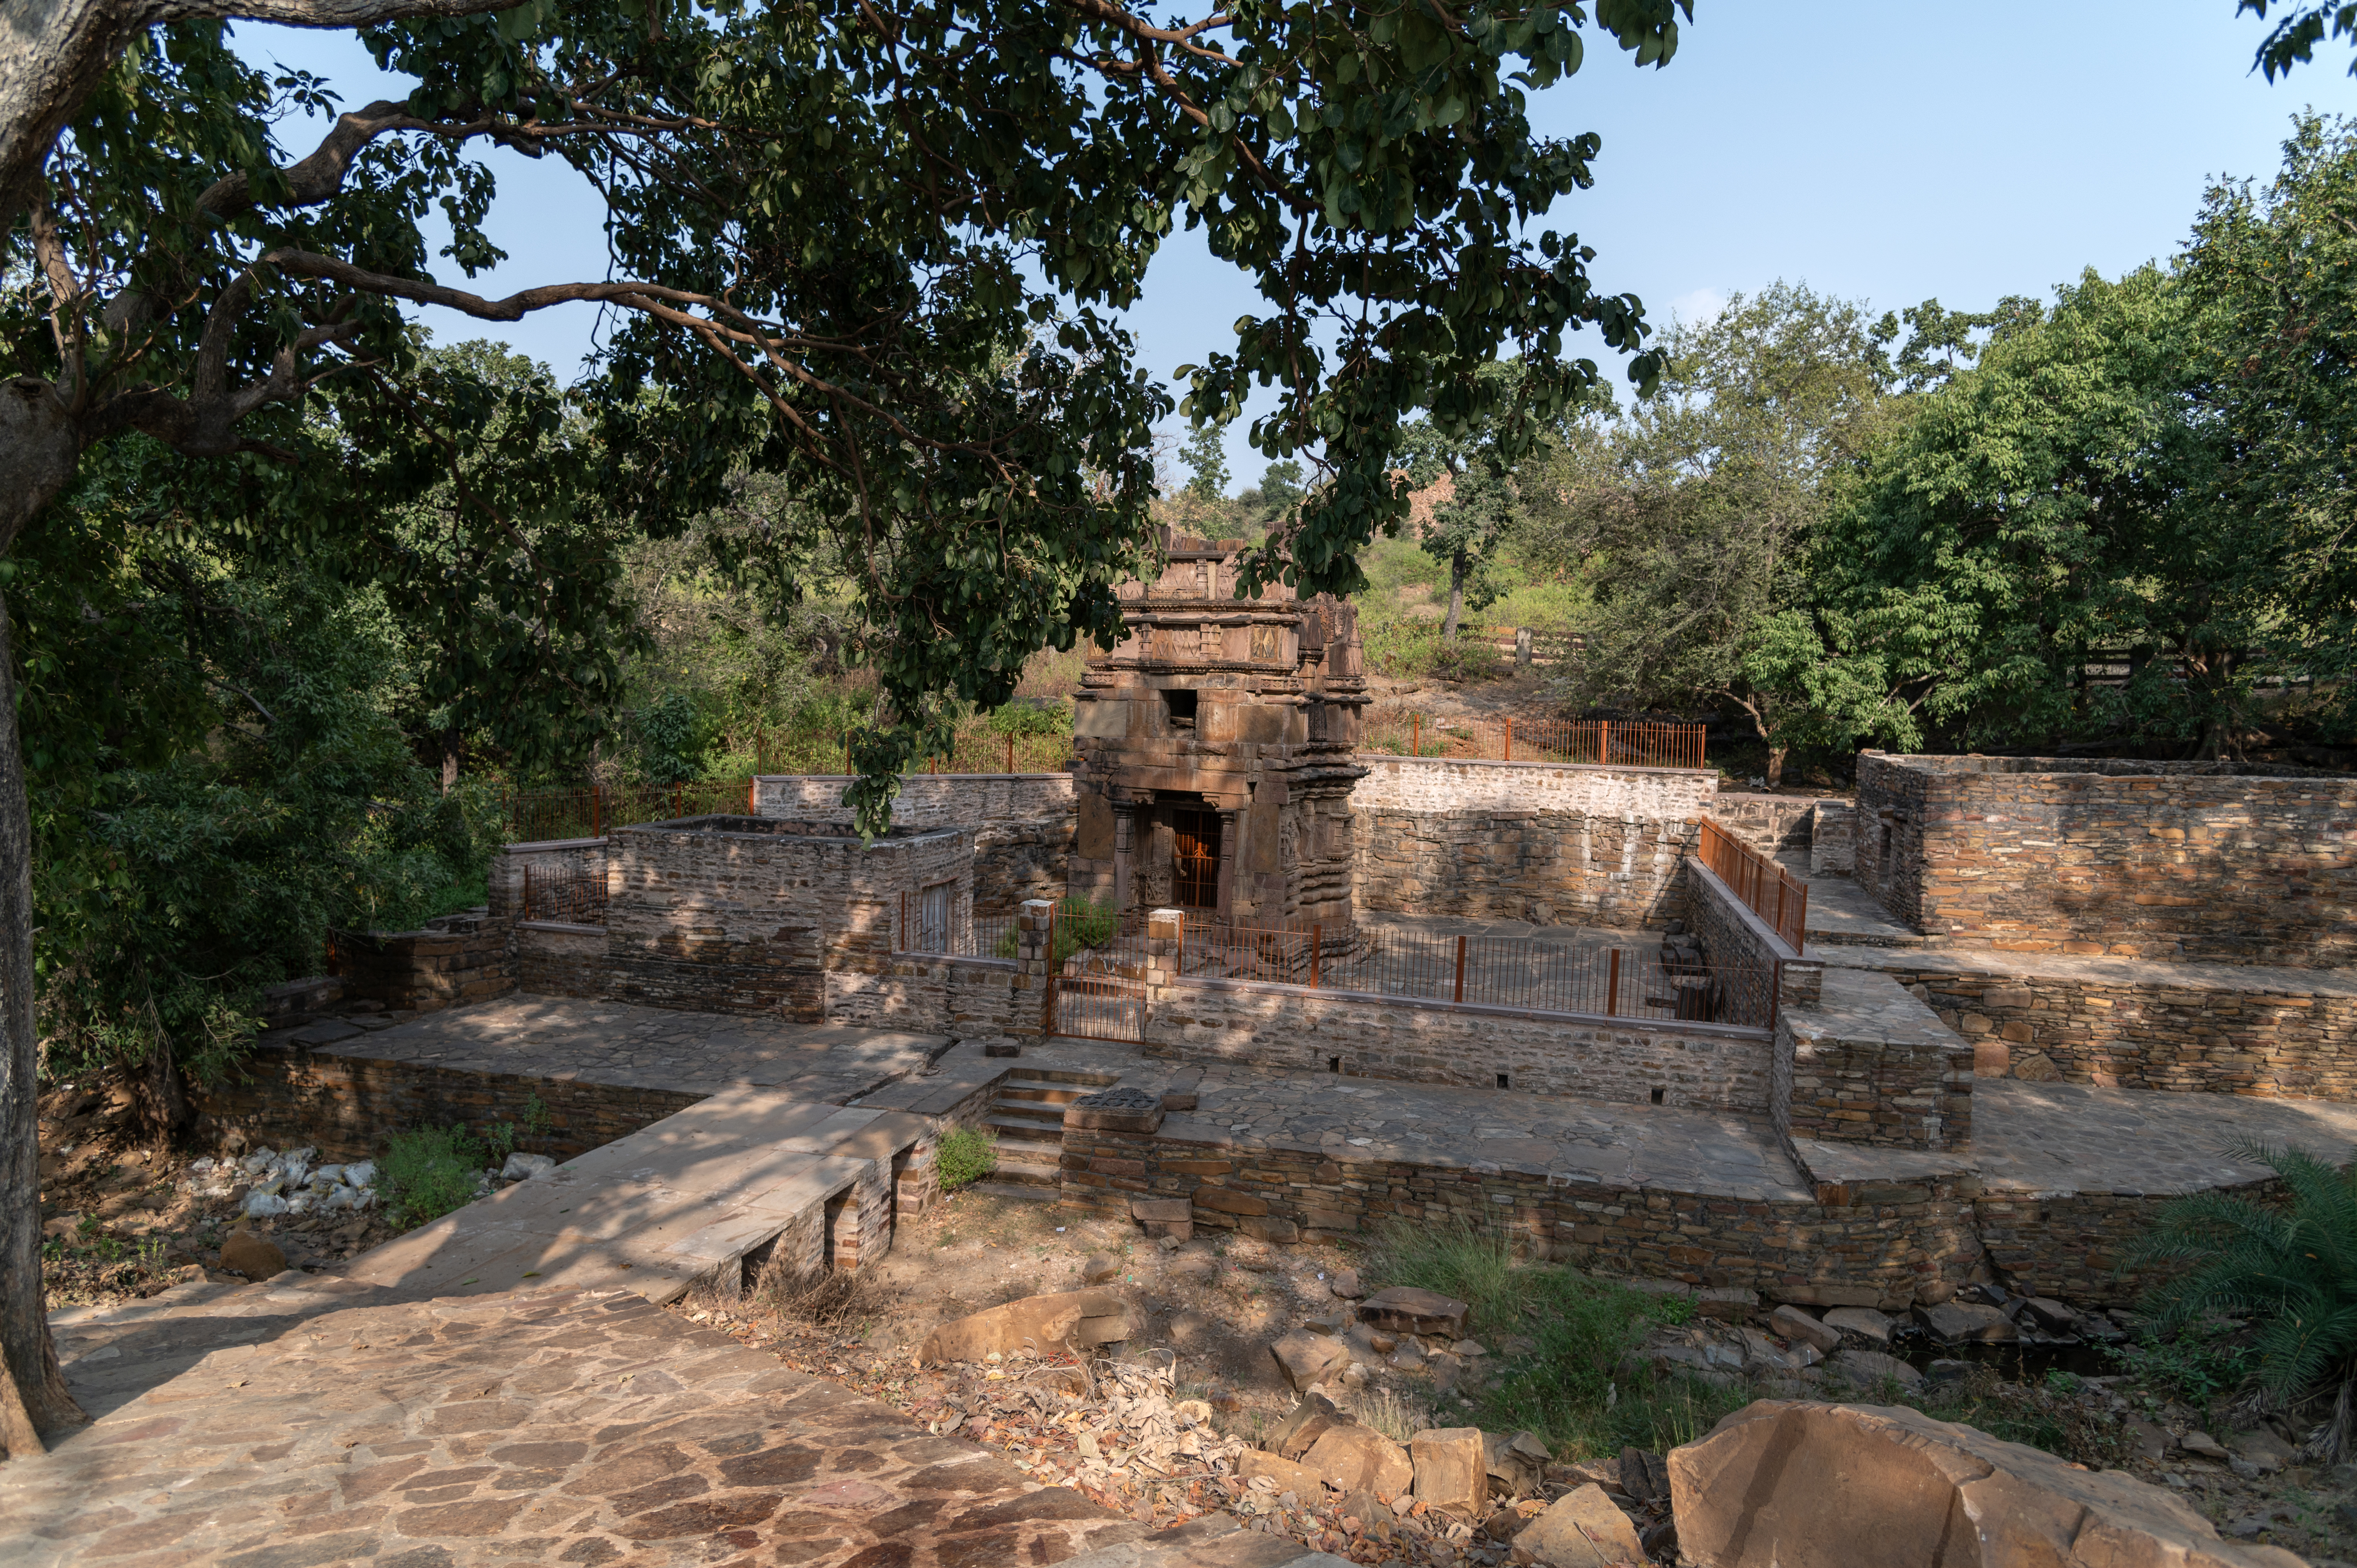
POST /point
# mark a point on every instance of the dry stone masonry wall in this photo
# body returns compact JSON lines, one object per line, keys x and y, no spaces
{"x":2156,"y":860}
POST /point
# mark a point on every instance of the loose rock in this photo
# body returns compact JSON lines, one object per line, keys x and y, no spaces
{"x":1581,"y":1528}
{"x":247,"y":1253}
{"x":1308,"y":1359}
{"x":1862,"y":1321}
{"x":1404,"y":1309}
{"x":1452,"y":1470}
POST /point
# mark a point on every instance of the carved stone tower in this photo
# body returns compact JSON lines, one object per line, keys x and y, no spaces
{"x":1214,"y":748}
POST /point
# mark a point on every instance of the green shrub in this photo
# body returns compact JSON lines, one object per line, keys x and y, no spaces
{"x":1031,"y":718}
{"x":2288,"y":1269}
{"x":1567,"y":1387}
{"x":965,"y":1155}
{"x":426,"y":1174}
{"x":1079,"y":924}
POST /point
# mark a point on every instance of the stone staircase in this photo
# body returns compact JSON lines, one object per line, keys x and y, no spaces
{"x":1028,"y":1115}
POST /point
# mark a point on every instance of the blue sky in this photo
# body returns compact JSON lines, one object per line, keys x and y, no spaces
{"x":1883,"y":151}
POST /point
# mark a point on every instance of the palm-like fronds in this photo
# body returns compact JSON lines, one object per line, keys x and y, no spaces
{"x":2290,"y":1268}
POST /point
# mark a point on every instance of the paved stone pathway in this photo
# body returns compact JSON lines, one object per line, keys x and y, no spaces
{"x":641,"y":1048}
{"x":574,"y":1428}
{"x":1843,"y":913}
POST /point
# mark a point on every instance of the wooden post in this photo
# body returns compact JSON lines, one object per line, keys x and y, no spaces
{"x":1612,"y":987}
{"x":1317,"y":949}
{"x":1509,"y":740}
{"x":1461,"y":969}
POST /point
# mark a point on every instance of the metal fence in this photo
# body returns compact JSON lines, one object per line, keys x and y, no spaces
{"x":936,"y":920}
{"x":567,"y":894}
{"x":1403,"y":732}
{"x":1774,"y":894}
{"x":537,"y":816}
{"x":1593,"y":978}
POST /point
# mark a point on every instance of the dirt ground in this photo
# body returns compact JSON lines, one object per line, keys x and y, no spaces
{"x":119,"y":1223}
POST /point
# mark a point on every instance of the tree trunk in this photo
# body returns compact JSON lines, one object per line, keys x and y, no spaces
{"x":450,"y":760}
{"x":32,"y":1359}
{"x":1776,"y":755}
{"x":1456,"y":597}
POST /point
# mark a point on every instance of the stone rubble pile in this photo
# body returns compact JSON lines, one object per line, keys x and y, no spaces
{"x":289,"y":1183}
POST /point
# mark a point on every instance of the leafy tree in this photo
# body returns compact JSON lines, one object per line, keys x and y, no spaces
{"x":2301,"y":28}
{"x":1206,"y":456}
{"x":823,"y":224}
{"x":1688,"y":512}
{"x":1280,"y":486}
{"x":2291,"y":1267}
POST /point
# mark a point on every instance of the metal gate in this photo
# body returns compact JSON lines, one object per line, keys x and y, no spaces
{"x":1096,"y":976}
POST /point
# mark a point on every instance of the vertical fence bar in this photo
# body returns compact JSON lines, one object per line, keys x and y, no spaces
{"x":1047,"y":991}
{"x":1316,"y":950}
{"x":596,"y":829}
{"x":1415,"y":734}
{"x":1612,"y":987}
{"x":1010,"y":754}
{"x":1604,"y":743}
{"x":1461,"y":969}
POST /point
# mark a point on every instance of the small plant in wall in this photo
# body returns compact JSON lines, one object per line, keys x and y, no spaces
{"x":426,"y":1174}
{"x":963,"y":1156}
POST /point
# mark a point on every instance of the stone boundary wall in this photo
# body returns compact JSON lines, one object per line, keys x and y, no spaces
{"x":1767,"y":823}
{"x":1549,"y":867}
{"x":549,"y":856}
{"x":1733,"y":936}
{"x":1434,"y":784}
{"x":1870,"y":1065}
{"x":1295,"y":1028}
{"x":2070,"y":1245}
{"x":1024,"y":823}
{"x":720,"y":914}
{"x":454,"y":959}
{"x":2207,"y":862}
{"x":2145,"y":1030}
{"x":1883,"y":1247}
{"x":346,"y":1106}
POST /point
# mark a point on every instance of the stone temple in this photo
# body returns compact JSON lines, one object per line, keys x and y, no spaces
{"x":1213,"y":748}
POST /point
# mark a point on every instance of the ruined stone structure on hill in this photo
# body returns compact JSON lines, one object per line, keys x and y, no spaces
{"x":1214,"y":744}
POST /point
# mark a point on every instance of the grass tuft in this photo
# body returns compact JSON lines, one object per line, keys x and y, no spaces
{"x":426,"y":1174}
{"x":965,"y":1155}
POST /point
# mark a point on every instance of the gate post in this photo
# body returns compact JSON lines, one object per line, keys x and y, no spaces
{"x":1035,"y":937}
{"x":1166,"y":930}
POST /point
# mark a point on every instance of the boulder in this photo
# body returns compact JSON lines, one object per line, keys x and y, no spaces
{"x":1825,"y":1486}
{"x":1452,"y":1470}
{"x":1517,"y":1462}
{"x":1298,"y":1479}
{"x":1862,"y":1321}
{"x":1068,"y":1320}
{"x":1307,"y":1358}
{"x":1967,"y":1322}
{"x":1581,"y":1528}
{"x":1404,"y":1309}
{"x":1863,"y":1369}
{"x":247,"y":1253}
{"x":1173,"y":1216}
{"x":1798,"y":1326}
{"x":1099,"y":1268}
{"x":1303,"y":1425}
{"x":1360,"y":1459}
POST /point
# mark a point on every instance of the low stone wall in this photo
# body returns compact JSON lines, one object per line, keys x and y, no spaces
{"x":2182,"y":861}
{"x":1294,"y":1028}
{"x":550,"y":859}
{"x":2071,"y":1246}
{"x":1023,"y":824}
{"x":347,"y":1106}
{"x":1832,"y":844}
{"x":937,"y":996}
{"x":454,"y":959}
{"x":1518,"y":862}
{"x":2215,"y":1029}
{"x":1881,"y":1247}
{"x":1734,"y":938}
{"x":1869,"y":1064}
{"x":554,"y":958}
{"x":1767,"y":822}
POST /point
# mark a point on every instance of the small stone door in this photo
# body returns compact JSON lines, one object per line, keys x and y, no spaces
{"x":1195,"y":859}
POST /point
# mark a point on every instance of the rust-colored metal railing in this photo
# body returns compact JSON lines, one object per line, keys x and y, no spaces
{"x":572,"y":895}
{"x":1770,"y":892}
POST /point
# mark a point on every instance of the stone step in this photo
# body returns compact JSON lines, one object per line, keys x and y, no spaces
{"x":1024,"y":1113}
{"x":1041,"y":1093}
{"x":1019,"y":1192}
{"x":1030,"y":1166}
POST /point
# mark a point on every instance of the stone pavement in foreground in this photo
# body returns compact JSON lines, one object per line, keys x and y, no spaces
{"x":567,"y":1039}
{"x":307,"y":1422}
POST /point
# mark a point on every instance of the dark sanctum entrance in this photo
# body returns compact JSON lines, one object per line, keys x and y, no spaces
{"x":1195,"y":859}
